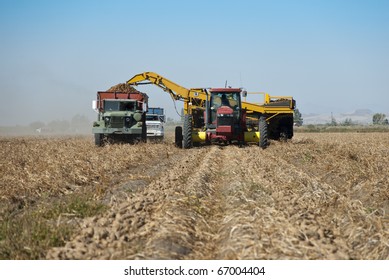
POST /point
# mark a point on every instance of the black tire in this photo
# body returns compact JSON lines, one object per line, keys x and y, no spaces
{"x":283,"y":134}
{"x":99,"y":139}
{"x":286,"y":129}
{"x":188,"y":132}
{"x":290,"y":135}
{"x":263,"y":137}
{"x":178,"y":137}
{"x":290,"y":128}
{"x":144,"y":128}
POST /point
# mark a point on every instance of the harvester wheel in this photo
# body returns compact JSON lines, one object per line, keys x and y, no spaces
{"x":286,"y":129}
{"x":178,"y":137}
{"x":262,"y":127}
{"x":283,"y":134}
{"x":99,"y":139}
{"x":188,"y":132}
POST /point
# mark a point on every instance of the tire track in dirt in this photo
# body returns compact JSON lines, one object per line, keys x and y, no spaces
{"x":266,"y":207}
{"x":157,"y":222}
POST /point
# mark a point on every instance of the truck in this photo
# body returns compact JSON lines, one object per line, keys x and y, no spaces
{"x":220,"y":115}
{"x":121,"y":117}
{"x":155,"y":119}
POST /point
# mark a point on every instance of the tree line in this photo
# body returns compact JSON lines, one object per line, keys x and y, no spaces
{"x":377,"y":119}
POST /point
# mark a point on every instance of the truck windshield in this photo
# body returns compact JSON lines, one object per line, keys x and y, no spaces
{"x":127,"y":106}
{"x":111,"y":105}
{"x":114,"y":105}
{"x":152,"y":118}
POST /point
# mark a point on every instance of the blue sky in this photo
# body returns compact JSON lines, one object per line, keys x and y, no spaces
{"x":331,"y":56}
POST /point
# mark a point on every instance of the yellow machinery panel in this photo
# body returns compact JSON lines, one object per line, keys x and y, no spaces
{"x":251,"y":136}
{"x":199,"y":136}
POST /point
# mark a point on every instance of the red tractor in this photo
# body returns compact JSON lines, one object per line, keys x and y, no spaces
{"x":222,"y":121}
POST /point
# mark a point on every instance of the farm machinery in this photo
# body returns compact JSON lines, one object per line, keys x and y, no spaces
{"x":155,"y":119}
{"x":121,"y":117}
{"x":220,"y":115}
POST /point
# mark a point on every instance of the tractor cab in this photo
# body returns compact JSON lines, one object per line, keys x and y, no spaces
{"x":224,"y":118}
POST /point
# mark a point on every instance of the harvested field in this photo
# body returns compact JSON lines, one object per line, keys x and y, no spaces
{"x":319,"y":196}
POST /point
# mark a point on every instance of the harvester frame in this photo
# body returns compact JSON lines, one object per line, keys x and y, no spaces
{"x":272,"y":119}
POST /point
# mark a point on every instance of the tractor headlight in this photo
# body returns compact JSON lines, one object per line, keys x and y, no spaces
{"x":107,"y":119}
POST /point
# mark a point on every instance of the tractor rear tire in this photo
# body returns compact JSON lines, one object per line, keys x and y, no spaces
{"x":188,"y":132}
{"x":263,"y":135}
{"x":178,"y":137}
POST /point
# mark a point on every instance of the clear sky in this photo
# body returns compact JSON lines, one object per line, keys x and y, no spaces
{"x":331,"y":56}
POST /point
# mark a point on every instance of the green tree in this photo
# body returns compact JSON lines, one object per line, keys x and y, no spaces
{"x":348,"y":122}
{"x":379,"y":118}
{"x":297,"y":117}
{"x":333,"y":121}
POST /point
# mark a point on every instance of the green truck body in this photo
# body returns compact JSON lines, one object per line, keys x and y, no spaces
{"x":121,"y":117}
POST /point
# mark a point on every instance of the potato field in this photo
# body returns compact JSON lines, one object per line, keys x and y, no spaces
{"x":318,"y":196}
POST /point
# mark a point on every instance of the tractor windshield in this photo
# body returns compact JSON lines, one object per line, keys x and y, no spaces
{"x":229,"y":99}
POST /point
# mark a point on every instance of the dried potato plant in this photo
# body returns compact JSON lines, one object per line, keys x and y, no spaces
{"x":48,"y":181}
{"x":319,"y":196}
{"x":32,"y":167}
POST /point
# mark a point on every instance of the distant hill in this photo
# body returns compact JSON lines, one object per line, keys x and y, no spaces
{"x":361,"y":112}
{"x":360,"y":116}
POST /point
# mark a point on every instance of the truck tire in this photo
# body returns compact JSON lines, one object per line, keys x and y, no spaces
{"x":263,"y":137}
{"x":188,"y":132}
{"x":144,"y":128}
{"x":99,"y":139}
{"x":178,"y":137}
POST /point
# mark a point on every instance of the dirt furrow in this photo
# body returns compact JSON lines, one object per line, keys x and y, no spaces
{"x":310,"y":218}
{"x":332,"y":222}
{"x":156,"y":222}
